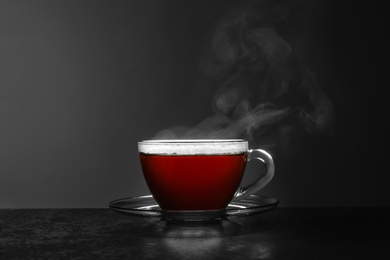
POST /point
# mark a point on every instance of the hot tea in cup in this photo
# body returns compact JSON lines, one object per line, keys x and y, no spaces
{"x":193,"y":175}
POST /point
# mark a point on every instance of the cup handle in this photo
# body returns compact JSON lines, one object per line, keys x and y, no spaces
{"x":266,"y":158}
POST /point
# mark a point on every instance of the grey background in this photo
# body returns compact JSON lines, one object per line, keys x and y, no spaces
{"x":82,"y":81}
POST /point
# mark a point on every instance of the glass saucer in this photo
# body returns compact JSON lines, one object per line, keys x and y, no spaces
{"x":146,"y":206}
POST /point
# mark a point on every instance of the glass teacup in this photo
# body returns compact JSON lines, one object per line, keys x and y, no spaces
{"x":200,"y":174}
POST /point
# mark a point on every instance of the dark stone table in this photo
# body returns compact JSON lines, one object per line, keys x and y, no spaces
{"x":283,"y":233}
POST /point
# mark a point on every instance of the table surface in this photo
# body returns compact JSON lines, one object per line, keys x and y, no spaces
{"x":282,"y":233}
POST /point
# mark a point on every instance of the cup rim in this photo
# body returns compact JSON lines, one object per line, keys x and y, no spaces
{"x":193,"y":146}
{"x":191,"y":141}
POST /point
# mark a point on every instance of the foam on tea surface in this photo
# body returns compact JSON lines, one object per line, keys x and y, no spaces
{"x":193,"y":147}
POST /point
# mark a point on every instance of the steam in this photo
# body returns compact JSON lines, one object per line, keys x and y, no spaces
{"x":263,"y":88}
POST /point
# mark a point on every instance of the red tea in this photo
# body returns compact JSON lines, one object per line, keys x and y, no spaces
{"x":193,"y":182}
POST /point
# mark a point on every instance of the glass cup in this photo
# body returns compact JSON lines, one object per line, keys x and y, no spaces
{"x":200,"y":175}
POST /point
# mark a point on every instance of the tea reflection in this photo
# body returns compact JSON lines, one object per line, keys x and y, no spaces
{"x":198,"y":240}
{"x":206,"y":240}
{"x":195,"y":239}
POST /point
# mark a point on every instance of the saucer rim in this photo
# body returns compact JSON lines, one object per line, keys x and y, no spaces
{"x":267,"y":203}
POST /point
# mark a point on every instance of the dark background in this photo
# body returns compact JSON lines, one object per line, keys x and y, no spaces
{"x":82,"y":81}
